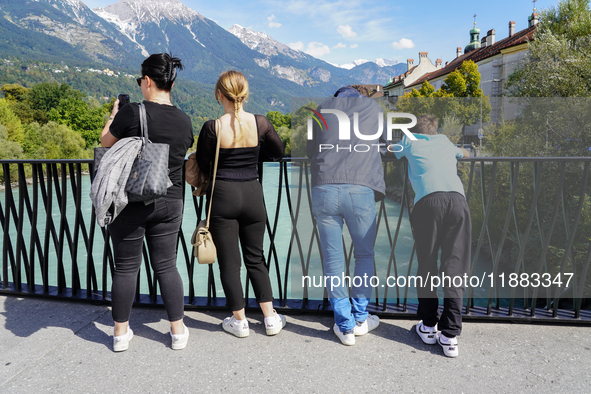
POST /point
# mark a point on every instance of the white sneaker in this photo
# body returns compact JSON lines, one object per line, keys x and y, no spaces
{"x":427,"y":334}
{"x":121,"y":342}
{"x":275,"y":323}
{"x":236,"y":327}
{"x":449,"y":345}
{"x":369,"y":324}
{"x":347,"y":337}
{"x":179,"y":341}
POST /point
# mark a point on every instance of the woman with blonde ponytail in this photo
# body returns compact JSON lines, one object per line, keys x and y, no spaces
{"x":238,"y":212}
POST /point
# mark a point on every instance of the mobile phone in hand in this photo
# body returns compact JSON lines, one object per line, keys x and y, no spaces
{"x":123,"y":99}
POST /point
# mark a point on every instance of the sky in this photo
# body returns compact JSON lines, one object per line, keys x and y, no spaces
{"x":342,"y":31}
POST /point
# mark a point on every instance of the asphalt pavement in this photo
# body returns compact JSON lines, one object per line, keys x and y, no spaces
{"x":66,"y":347}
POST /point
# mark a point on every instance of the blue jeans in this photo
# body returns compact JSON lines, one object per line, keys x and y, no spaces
{"x":355,"y":205}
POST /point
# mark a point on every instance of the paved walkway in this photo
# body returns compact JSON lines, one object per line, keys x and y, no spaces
{"x":52,"y":346}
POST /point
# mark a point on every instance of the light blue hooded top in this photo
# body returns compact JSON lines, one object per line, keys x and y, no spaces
{"x":432,"y":164}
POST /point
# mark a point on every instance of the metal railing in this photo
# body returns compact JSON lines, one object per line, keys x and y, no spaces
{"x":529,"y":215}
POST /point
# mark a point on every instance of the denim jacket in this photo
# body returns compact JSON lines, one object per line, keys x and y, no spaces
{"x":349,"y":160}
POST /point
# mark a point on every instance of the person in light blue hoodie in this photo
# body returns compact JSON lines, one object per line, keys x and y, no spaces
{"x":440,"y":219}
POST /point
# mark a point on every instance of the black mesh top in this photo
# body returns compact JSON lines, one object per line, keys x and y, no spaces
{"x":238,"y":164}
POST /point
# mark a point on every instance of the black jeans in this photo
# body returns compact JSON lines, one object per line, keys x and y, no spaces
{"x":442,"y":220}
{"x":238,"y":213}
{"x":159,"y":223}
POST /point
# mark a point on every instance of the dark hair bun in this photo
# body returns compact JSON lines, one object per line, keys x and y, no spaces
{"x":173,"y":64}
{"x":162,"y":69}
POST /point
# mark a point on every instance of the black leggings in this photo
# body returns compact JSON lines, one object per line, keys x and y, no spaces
{"x":238,"y":213}
{"x":159,"y":223}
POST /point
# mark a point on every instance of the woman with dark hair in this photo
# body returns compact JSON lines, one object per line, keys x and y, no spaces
{"x":158,"y":222}
{"x":238,"y":211}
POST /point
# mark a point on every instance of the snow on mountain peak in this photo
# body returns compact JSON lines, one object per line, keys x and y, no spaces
{"x":73,"y":3}
{"x":354,"y":63}
{"x":262,"y":42}
{"x":137,"y":12}
{"x":76,"y":9}
{"x":381,"y":62}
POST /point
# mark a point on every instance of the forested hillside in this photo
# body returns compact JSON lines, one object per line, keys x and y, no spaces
{"x":192,"y":97}
{"x":56,"y":111}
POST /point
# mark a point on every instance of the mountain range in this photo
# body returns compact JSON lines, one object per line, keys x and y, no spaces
{"x":122,"y":34}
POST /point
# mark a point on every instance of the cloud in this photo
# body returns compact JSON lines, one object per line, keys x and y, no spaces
{"x":339,"y":45}
{"x":403,"y":43}
{"x":346,"y":31}
{"x":317,"y":49}
{"x":373,"y":20}
{"x":298,"y":46}
{"x":354,"y":45}
{"x":271,"y":23}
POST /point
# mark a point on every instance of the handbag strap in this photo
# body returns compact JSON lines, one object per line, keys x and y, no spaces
{"x":143,"y":124}
{"x":215,"y":170}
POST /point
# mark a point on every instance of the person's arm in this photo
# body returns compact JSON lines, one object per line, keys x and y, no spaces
{"x":206,"y":144}
{"x":400,"y":148}
{"x":107,"y":139}
{"x":466,"y":154}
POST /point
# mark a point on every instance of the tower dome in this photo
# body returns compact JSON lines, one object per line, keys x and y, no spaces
{"x":474,"y":40}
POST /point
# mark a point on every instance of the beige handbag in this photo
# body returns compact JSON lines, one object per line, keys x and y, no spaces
{"x":195,"y":177}
{"x":203,"y":247}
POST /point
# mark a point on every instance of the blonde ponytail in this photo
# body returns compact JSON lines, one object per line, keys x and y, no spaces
{"x":234,"y":86}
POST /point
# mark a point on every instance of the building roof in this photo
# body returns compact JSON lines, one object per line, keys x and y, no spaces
{"x":477,"y":55}
{"x":400,"y":78}
{"x":374,"y":90}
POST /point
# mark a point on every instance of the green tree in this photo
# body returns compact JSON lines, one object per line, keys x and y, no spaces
{"x":554,"y":80}
{"x":463,"y":82}
{"x":460,"y":98}
{"x":284,"y":133}
{"x":17,"y":98}
{"x":45,"y":96}
{"x":559,"y":60}
{"x":282,"y":125}
{"x":31,"y":141}
{"x":12,"y":123}
{"x":14,"y":92}
{"x":278,"y":119}
{"x":58,"y":141}
{"x":426,"y":90}
{"x":77,"y":114}
{"x":9,"y":149}
{"x":452,"y":128}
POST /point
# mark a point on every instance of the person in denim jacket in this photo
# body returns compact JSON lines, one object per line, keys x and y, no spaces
{"x":347,"y":180}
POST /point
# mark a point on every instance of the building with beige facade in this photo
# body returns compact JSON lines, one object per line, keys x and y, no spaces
{"x":496,"y":61}
{"x":396,"y":86}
